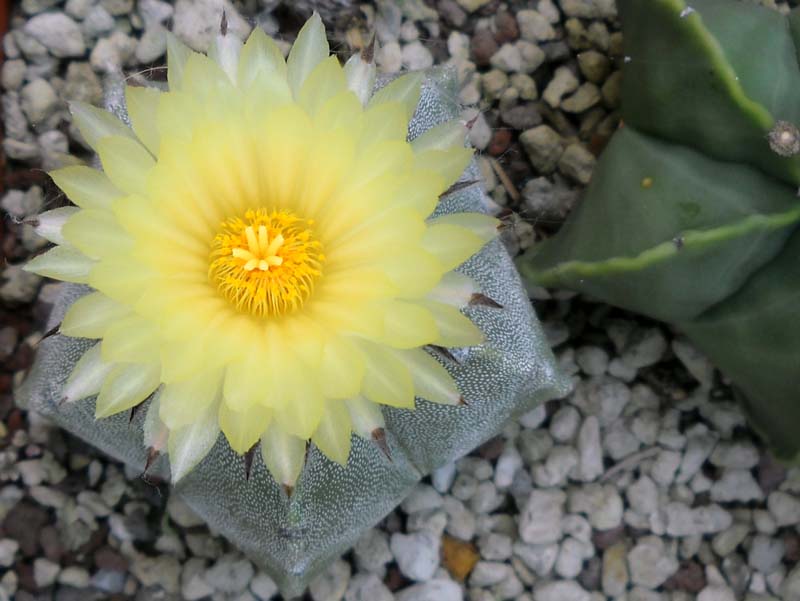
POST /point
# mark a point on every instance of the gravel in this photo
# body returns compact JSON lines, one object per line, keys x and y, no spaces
{"x":644,"y":483}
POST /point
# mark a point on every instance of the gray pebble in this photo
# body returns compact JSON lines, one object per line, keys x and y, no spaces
{"x":577,"y":163}
{"x":540,"y":520}
{"x":417,"y":554}
{"x":543,"y":146}
{"x":438,"y":589}
{"x":332,"y":583}
{"x":58,"y":33}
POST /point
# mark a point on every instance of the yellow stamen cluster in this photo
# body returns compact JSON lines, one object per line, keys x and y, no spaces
{"x":265,"y":264}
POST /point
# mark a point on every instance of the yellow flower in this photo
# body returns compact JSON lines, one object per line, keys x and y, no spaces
{"x":261,"y":252}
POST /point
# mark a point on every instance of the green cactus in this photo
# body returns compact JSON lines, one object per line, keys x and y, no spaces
{"x":692,"y":216}
{"x":295,"y":537}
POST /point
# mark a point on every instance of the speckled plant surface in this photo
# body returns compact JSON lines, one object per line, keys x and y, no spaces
{"x":295,"y":537}
{"x":692,"y":214}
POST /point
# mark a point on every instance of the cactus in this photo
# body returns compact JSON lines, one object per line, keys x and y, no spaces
{"x":692,"y":214}
{"x":290,"y":510}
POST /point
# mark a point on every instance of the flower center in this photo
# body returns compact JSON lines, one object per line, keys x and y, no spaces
{"x":265,"y":264}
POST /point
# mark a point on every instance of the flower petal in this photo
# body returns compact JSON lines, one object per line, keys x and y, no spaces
{"x":387,"y":380}
{"x":188,"y":445}
{"x":131,"y":339}
{"x":302,"y":413}
{"x":455,"y":289}
{"x":182,"y":402}
{"x":332,"y":436}
{"x":97,"y":234}
{"x":455,"y":328}
{"x":432,"y":381}
{"x":342,"y":370}
{"x":360,"y":77}
{"x":126,"y":162}
{"x":86,"y":187}
{"x":408,"y":325}
{"x":450,"y":163}
{"x":96,"y":124}
{"x":126,"y":386}
{"x":142,"y":103}
{"x":260,"y":55}
{"x":87,"y":376}
{"x":62,"y":263}
{"x":405,"y":89}
{"x":225,"y":51}
{"x":441,"y":137}
{"x":243,"y":428}
{"x":324,"y":82}
{"x":48,"y":225}
{"x":365,"y":416}
{"x":177,"y":55}
{"x":283,"y":454}
{"x":309,"y":49}
{"x":451,"y":244}
{"x":91,"y":315}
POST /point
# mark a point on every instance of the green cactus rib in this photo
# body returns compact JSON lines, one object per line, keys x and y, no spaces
{"x":661,"y":252}
{"x":689,"y":74}
{"x":754,"y":336}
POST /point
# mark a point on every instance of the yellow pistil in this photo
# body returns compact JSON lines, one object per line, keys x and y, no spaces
{"x":265,"y":264}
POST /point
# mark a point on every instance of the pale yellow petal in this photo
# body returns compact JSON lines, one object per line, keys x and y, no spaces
{"x":243,"y":428}
{"x":441,"y":137}
{"x":142,"y":104}
{"x":405,"y":89}
{"x":309,"y":49}
{"x":451,"y":244}
{"x":91,"y":315}
{"x":97,"y":234}
{"x":87,"y":376}
{"x":361,"y":76}
{"x":415,"y":272}
{"x":247,"y":381}
{"x":62,"y":263}
{"x":408,"y":325}
{"x":283,"y":454}
{"x":342,"y":370}
{"x":455,"y":289}
{"x":365,"y":416}
{"x":177,"y":55}
{"x":96,"y":124}
{"x":225,"y":51}
{"x":131,"y":339}
{"x":455,"y":328}
{"x":387,"y":380}
{"x":126,"y":386}
{"x":422,"y":192}
{"x":86,"y":187}
{"x":189,"y":444}
{"x":341,"y":111}
{"x":324,"y":82}
{"x":332,"y":435}
{"x":386,"y":121}
{"x":302,"y":413}
{"x":450,"y":163}
{"x":126,"y":162}
{"x":124,"y":282}
{"x":182,"y":402}
{"x":49,"y":225}
{"x":483,"y":226}
{"x":432,"y":381}
{"x":260,"y":55}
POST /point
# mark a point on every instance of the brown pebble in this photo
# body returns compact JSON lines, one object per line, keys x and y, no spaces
{"x":770,"y":473}
{"x":501,"y":140}
{"x":506,"y":25}
{"x":492,"y":448}
{"x":106,"y":558}
{"x":50,"y":540}
{"x":23,"y":523}
{"x":689,"y":578}
{"x":604,"y":539}
{"x":483,"y":46}
{"x":791,"y":547}
{"x":394,"y":580}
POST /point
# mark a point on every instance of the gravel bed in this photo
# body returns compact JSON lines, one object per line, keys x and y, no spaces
{"x":644,"y":484}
